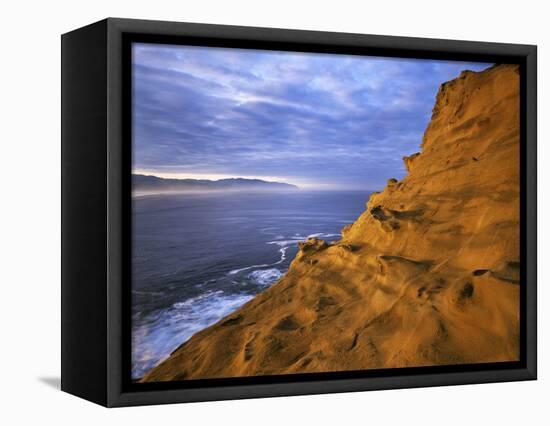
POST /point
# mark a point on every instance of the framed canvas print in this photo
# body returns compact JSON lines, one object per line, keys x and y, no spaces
{"x":251,"y":212}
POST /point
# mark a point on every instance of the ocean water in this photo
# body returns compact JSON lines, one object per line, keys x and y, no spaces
{"x":198,"y":257}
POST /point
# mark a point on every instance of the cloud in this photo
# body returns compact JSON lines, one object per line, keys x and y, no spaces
{"x":337,"y":120}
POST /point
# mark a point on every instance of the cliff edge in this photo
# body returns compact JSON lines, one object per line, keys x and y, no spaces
{"x":427,"y":275}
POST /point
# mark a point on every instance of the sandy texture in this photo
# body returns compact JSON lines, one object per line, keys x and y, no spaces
{"x":427,"y":275}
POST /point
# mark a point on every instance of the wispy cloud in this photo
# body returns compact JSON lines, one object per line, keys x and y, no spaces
{"x":331,"y":120}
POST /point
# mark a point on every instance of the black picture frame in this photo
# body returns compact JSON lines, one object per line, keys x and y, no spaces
{"x":96,"y":206}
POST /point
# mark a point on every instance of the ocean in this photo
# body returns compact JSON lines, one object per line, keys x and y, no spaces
{"x":198,"y":257}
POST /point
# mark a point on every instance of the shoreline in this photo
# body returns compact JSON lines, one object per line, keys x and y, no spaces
{"x":277,"y":241}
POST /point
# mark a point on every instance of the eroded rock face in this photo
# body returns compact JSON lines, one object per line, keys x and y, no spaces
{"x":312,"y":245}
{"x":410,"y":160}
{"x":427,"y":275}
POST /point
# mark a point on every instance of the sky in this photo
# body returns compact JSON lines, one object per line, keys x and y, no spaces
{"x":319,"y":121}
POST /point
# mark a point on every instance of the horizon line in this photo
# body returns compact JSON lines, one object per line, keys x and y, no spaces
{"x":212,"y":180}
{"x":215,"y":177}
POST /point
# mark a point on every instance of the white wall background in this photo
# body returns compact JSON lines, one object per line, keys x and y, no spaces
{"x":30,"y":212}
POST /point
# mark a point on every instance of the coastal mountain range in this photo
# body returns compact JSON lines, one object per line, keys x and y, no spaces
{"x":427,"y":275}
{"x":153,"y":184}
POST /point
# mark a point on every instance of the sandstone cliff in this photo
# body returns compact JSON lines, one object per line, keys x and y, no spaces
{"x":427,"y":275}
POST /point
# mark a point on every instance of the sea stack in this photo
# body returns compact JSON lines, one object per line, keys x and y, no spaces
{"x":427,"y":275}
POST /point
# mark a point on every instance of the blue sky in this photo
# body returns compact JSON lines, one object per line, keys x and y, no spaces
{"x":315,"y":120}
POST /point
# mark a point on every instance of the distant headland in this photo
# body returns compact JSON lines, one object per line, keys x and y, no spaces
{"x":154,"y":184}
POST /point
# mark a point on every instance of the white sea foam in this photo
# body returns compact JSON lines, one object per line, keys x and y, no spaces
{"x":297,"y":238}
{"x":282,"y":251}
{"x":323,"y":235}
{"x":164,"y":331}
{"x":286,"y":243}
{"x":236,"y":271}
{"x":317,"y":235}
{"x":265,"y":277}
